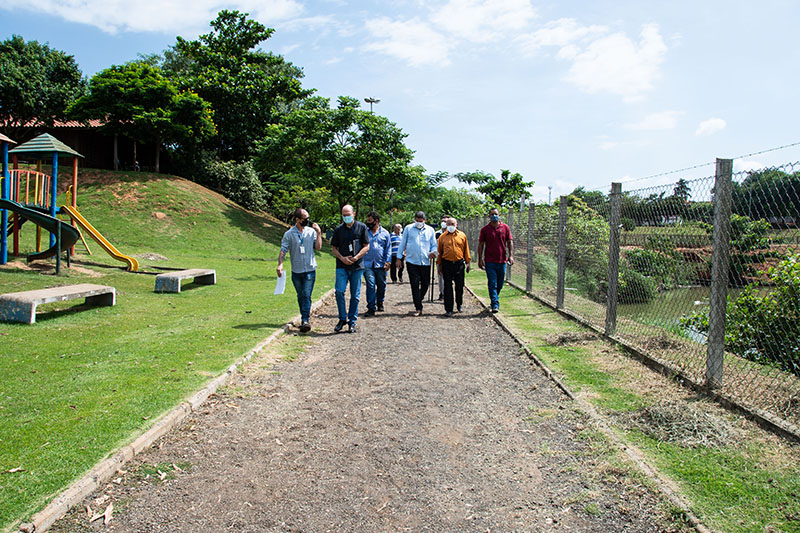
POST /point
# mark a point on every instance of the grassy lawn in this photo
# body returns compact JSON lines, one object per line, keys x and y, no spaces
{"x":82,"y":382}
{"x":748,"y":482}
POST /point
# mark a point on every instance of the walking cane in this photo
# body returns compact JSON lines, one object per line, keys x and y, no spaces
{"x":433,"y":275}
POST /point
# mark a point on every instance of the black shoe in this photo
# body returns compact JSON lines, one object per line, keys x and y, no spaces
{"x":370,"y":312}
{"x":401,"y":280}
{"x":441,"y":296}
{"x":449,"y":314}
{"x":459,"y":308}
{"x":380,"y":308}
{"x":339,"y":325}
{"x":351,"y":328}
{"x":305,"y":326}
{"x":495,"y":309}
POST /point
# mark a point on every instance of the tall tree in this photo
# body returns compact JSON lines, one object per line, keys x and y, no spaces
{"x":139,"y":102}
{"x":357,"y":155}
{"x":505,"y":191}
{"x":248,"y":89}
{"x":37,"y":84}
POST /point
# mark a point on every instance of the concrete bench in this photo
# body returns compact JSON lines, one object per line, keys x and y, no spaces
{"x":21,"y":306}
{"x":171,"y":281}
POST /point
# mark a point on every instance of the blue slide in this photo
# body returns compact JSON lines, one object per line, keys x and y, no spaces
{"x":69,"y":234}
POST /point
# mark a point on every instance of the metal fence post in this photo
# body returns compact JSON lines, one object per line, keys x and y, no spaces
{"x":613,"y":258}
{"x":511,"y":228}
{"x":562,"y":251}
{"x":529,"y":262}
{"x":720,"y":264}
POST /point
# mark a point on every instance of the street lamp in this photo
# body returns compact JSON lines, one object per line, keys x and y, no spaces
{"x":370,"y":100}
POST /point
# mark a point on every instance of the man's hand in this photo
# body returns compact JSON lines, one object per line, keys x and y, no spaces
{"x":467,"y":268}
{"x":279,"y":270}
{"x":348,"y":259}
{"x":510,"y":261}
{"x":481,"y":264}
{"x":316,"y":227}
{"x":432,"y":255}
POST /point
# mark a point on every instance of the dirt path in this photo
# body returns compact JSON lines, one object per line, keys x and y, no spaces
{"x":411,"y":424}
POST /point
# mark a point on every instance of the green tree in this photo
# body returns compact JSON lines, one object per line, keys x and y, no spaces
{"x":137,"y":101}
{"x":768,"y":193}
{"x":248,"y":89}
{"x":37,"y":84}
{"x":505,"y":191}
{"x":682,"y":190}
{"x":357,"y":155}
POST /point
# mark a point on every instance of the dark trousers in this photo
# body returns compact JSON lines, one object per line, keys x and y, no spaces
{"x":419,"y":276}
{"x":396,"y":268}
{"x":453,"y":272}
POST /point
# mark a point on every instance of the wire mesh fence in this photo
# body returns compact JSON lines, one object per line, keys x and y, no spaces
{"x":702,"y":276}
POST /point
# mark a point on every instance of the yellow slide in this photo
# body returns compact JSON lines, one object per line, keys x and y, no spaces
{"x":133,"y":264}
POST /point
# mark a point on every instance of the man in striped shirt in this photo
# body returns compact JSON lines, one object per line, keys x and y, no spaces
{"x":397,"y":262}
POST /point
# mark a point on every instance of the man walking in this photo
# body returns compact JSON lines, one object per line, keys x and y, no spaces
{"x":495,"y":249}
{"x":376,"y":263}
{"x":301,"y":241}
{"x":397,"y":261}
{"x":440,"y":279}
{"x":453,"y":261}
{"x":419,"y":246}
{"x":349,"y":244}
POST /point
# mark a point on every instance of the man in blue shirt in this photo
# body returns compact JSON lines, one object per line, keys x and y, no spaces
{"x":419,"y":245}
{"x":376,"y":263}
{"x":397,"y":262}
{"x":349,"y":244}
{"x":301,"y":241}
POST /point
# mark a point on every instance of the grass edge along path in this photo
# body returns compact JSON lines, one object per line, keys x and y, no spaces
{"x":665,"y":485}
{"x":108,"y":467}
{"x":736,"y":487}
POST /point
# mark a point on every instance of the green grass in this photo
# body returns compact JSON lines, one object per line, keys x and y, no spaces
{"x":750,"y":485}
{"x":82,"y":382}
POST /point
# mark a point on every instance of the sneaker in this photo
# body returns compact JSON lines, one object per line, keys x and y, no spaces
{"x":449,"y":314}
{"x":380,"y":308}
{"x":305,"y":326}
{"x":351,"y":328}
{"x":459,"y":308}
{"x":495,"y":309}
{"x":339,"y":325}
{"x":417,"y":312}
{"x":370,"y":312}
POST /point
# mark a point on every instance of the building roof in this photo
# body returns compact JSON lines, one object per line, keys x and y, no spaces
{"x":91,"y":123}
{"x":44,"y":143}
{"x":3,"y":138}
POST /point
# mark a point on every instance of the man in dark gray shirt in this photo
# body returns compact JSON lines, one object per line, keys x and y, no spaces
{"x":301,"y":241}
{"x":350,"y":243}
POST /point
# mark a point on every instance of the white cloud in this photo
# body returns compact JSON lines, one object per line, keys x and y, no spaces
{"x":664,"y":120}
{"x":413,"y":41}
{"x":562,"y":33}
{"x":618,"y":65}
{"x":711,"y":126}
{"x":483,"y":20}
{"x":164,"y":16}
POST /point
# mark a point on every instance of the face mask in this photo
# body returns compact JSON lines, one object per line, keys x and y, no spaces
{"x":304,"y":222}
{"x":451,"y":229}
{"x":495,"y":218}
{"x":347,"y":219}
{"x":444,"y":225}
{"x":419,"y":225}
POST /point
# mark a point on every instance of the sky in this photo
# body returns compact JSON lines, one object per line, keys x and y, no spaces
{"x":567,"y":93}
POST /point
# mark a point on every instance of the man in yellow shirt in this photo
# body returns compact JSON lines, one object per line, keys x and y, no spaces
{"x":453,"y":261}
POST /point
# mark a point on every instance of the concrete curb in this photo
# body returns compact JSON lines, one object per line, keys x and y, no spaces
{"x":667,"y":487}
{"x":105,"y":469}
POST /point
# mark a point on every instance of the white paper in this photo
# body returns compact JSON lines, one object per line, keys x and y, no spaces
{"x":280,"y":284}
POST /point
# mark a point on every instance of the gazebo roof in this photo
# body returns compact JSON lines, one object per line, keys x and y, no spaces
{"x":3,"y":138}
{"x":44,"y":143}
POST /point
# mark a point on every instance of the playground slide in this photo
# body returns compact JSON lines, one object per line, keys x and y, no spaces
{"x":69,"y":235}
{"x":133,"y":264}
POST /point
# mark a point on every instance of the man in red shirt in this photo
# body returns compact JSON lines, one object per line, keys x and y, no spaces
{"x":495,"y":250}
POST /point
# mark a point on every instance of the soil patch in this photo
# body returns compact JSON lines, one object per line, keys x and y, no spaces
{"x":411,"y":424}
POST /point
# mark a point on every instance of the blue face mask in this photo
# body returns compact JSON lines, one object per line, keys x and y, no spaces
{"x":347,"y":219}
{"x":495,"y":218}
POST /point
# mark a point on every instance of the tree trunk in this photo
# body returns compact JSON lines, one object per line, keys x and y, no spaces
{"x":158,"y":155}
{"x":135,"y":158}
{"x":116,"y":152}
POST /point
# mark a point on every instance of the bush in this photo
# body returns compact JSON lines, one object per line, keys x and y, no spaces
{"x":764,"y":329}
{"x":668,"y":270}
{"x":635,"y":288}
{"x":628,"y":224}
{"x":237,"y":182}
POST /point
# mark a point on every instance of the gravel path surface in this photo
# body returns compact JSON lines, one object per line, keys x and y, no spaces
{"x":411,"y":424}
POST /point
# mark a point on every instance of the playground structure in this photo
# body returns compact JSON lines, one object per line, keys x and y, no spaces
{"x":31,"y":195}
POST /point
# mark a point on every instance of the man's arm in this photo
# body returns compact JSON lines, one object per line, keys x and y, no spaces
{"x":433,"y":246}
{"x":282,"y":255}
{"x":318,"y":242}
{"x":510,"y":245}
{"x":387,"y":252}
{"x":365,"y":248}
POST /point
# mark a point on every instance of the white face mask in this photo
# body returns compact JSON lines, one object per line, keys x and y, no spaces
{"x":444,"y":225}
{"x":451,"y":229}
{"x":419,"y":225}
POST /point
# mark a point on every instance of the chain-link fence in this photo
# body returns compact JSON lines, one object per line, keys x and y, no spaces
{"x":700,"y":276}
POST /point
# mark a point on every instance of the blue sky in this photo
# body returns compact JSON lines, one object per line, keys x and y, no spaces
{"x":566,"y":93}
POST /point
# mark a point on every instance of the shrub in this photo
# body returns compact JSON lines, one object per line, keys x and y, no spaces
{"x":238,"y":182}
{"x":634,"y":287}
{"x":668,"y":270}
{"x":628,"y":224}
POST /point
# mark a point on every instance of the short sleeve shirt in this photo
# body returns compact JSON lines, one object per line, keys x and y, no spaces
{"x":349,"y":241}
{"x":496,"y":240}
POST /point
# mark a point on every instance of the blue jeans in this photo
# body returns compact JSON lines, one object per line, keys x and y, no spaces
{"x":376,"y":286}
{"x":304,"y":286}
{"x":496,"y":276}
{"x":353,"y":277}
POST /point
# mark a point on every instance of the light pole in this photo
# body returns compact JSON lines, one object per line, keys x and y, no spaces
{"x":549,"y":194}
{"x":370,"y":100}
